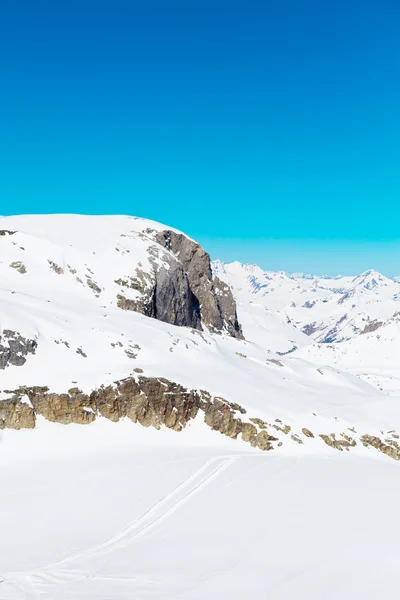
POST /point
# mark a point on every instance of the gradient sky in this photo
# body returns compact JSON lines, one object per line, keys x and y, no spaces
{"x":268,"y":130}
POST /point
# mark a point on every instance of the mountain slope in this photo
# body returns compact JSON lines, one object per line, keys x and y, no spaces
{"x":72,"y":350}
{"x":124,"y":355}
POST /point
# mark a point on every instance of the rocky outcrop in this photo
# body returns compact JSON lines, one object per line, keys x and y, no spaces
{"x":389,"y":447}
{"x":14,"y":348}
{"x":16,"y":414}
{"x":372,"y":326}
{"x":214,"y":298}
{"x":180,"y":289}
{"x":18,"y":266}
{"x":150,"y":401}
{"x":158,"y":402}
{"x":343,"y":443}
{"x":174,"y":300}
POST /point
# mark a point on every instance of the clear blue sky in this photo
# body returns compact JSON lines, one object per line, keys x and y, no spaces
{"x":269,"y":130}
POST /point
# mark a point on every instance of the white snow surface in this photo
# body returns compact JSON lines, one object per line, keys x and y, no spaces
{"x":113,"y":511}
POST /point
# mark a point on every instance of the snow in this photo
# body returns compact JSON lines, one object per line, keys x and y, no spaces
{"x":114,"y":510}
{"x":102,"y":511}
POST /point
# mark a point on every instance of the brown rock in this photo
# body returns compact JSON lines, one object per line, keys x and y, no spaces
{"x":15,"y":414}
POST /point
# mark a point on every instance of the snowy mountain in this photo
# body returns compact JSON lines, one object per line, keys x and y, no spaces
{"x":176,"y":398}
{"x":113,"y":303}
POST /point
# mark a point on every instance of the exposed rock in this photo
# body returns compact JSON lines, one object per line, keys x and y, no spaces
{"x":15,"y":414}
{"x":276,"y":362}
{"x":157,"y":402}
{"x":174,"y":300}
{"x":18,"y":266}
{"x":180,"y":289}
{"x":73,"y":407}
{"x":259,"y":422}
{"x":263,"y":441}
{"x":93,"y":286}
{"x":391,"y":448}
{"x":150,"y":401}
{"x":214,"y":298}
{"x":226,"y":304}
{"x":135,"y":305}
{"x":310,"y":328}
{"x":339,"y":444}
{"x":55,"y":267}
{"x":307,"y":432}
{"x":279,"y":426}
{"x":4,"y":232}
{"x":14,"y":348}
{"x":220,"y":417}
{"x":143,"y":283}
{"x":372,"y":326}
{"x":249,"y":432}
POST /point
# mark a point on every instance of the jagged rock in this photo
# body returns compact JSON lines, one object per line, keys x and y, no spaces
{"x":73,"y":407}
{"x":307,"y":432}
{"x":180,"y":289}
{"x":226,"y":304}
{"x":390,"y":448}
{"x":15,"y":414}
{"x":214,"y":298}
{"x":143,"y":283}
{"x":150,"y":401}
{"x":279,"y":426}
{"x":259,"y":422}
{"x":372,"y":326}
{"x":174,"y":300}
{"x":157,"y":402}
{"x":249,"y":432}
{"x":93,"y":286}
{"x":263,"y":441}
{"x":339,"y":444}
{"x":14,"y":348}
{"x":55,"y":267}
{"x":219,"y":416}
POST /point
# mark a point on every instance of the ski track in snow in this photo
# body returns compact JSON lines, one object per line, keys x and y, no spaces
{"x":53,"y":574}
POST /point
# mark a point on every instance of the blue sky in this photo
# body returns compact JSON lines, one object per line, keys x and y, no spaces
{"x":268,"y":130}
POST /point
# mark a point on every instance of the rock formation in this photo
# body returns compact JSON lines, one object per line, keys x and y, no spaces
{"x":214,"y":298}
{"x":150,"y":401}
{"x":14,"y":348}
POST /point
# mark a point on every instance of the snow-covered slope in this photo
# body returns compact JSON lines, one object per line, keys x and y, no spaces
{"x":112,"y":510}
{"x":63,"y":326}
{"x":346,"y":322}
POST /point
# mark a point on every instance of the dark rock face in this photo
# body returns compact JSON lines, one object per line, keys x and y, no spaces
{"x":14,"y":348}
{"x":371,"y":327}
{"x":214,"y":299}
{"x":182,"y":291}
{"x":174,"y":301}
